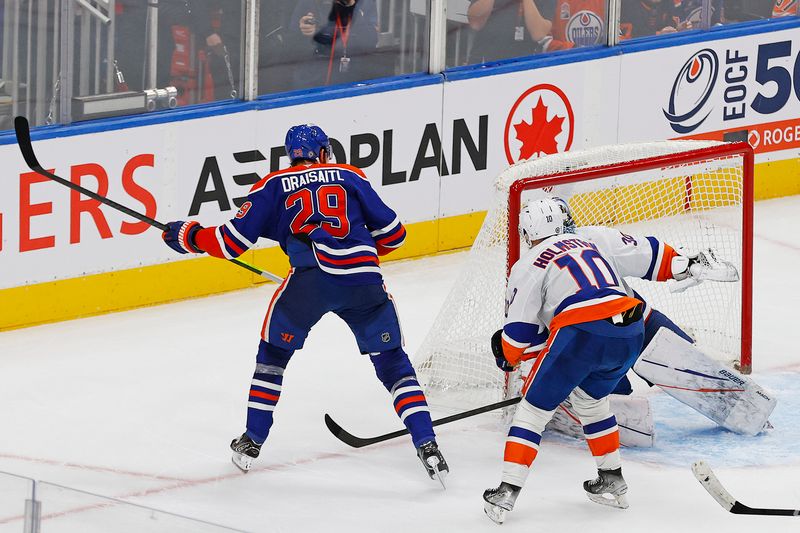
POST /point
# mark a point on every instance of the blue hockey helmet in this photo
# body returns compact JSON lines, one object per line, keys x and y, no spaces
{"x":306,"y":141}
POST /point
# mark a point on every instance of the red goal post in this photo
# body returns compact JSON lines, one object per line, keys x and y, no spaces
{"x":695,"y":194}
{"x":738,"y":149}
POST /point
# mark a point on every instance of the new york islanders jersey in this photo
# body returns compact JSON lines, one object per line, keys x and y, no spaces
{"x":323,"y":215}
{"x":572,"y":278}
{"x":633,"y":255}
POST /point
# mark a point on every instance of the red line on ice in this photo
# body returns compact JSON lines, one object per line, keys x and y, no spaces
{"x":92,"y":468}
{"x":178,"y":484}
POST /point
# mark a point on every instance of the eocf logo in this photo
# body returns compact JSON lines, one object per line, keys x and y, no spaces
{"x":689,"y":103}
{"x":540,"y":122}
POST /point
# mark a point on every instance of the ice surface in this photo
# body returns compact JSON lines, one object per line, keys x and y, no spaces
{"x":141,"y":406}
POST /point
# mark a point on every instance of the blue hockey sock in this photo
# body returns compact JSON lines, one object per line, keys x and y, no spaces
{"x":396,"y":373}
{"x":412,"y":408}
{"x":265,"y":390}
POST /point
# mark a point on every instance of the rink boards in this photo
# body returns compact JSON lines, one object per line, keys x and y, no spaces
{"x":431,"y":145}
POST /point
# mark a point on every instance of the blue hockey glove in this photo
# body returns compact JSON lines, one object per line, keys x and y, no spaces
{"x":180,"y":236}
{"x":497,"y":350}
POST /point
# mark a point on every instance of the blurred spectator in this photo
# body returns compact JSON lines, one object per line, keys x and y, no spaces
{"x":199,"y":47}
{"x":130,"y":45}
{"x":692,"y":13}
{"x":336,"y":42}
{"x":576,"y":23}
{"x":640,"y":18}
{"x":505,"y":29}
{"x":276,"y":58}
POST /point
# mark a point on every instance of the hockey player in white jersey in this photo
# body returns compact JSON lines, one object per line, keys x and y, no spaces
{"x":565,"y":302}
{"x":669,"y":358}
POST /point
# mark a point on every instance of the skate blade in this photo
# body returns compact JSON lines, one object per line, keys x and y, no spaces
{"x":433,"y":462}
{"x":243,"y":462}
{"x":620,"y":502}
{"x":495,"y":513}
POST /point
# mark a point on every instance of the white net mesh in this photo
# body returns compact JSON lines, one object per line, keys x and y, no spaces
{"x":694,"y":205}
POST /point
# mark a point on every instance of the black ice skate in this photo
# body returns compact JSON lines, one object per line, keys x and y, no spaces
{"x":608,"y":488}
{"x":499,"y":501}
{"x":244,"y":451}
{"x":433,"y":461}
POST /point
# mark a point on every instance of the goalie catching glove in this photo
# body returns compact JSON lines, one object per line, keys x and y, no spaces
{"x":692,"y":268}
{"x":180,"y":236}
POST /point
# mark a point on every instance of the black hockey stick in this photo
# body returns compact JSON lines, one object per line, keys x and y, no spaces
{"x":23,"y":132}
{"x":706,"y":477}
{"x":358,"y":442}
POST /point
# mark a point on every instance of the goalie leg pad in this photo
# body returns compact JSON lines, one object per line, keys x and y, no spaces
{"x":730,"y":399}
{"x":634,"y":418}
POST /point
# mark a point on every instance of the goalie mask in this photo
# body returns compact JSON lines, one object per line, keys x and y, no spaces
{"x":543,"y":218}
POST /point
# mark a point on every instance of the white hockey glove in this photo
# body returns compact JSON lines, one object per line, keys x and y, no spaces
{"x":692,"y":268}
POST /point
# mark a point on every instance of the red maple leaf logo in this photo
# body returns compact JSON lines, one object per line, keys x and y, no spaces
{"x":538,"y":137}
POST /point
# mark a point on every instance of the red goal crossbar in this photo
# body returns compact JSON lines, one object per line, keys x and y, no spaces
{"x":739,"y":149}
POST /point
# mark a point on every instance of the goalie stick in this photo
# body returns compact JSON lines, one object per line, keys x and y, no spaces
{"x":706,"y":477}
{"x":22,"y":129}
{"x":359,"y":442}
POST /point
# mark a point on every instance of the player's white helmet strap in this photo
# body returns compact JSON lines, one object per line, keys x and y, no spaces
{"x":541,"y":218}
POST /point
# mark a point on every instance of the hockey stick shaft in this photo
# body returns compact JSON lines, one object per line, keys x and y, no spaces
{"x":359,"y":442}
{"x":22,"y":129}
{"x":709,"y":481}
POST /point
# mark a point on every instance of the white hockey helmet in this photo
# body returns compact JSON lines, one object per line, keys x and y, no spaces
{"x":543,"y":218}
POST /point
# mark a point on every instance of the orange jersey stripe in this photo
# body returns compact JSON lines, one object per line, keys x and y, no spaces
{"x":605,"y":444}
{"x":519,"y":453}
{"x":594,"y":312}
{"x":536,"y":364}
{"x":411,"y":399}
{"x":265,"y":395}
{"x":665,"y":268}
{"x":275,"y":296}
{"x":512,"y":354}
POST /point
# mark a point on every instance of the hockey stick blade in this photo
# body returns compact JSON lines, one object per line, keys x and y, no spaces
{"x":709,"y":481}
{"x":23,"y":132}
{"x":359,"y":442}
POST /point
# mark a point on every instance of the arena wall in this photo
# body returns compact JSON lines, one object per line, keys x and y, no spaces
{"x":431,"y":144}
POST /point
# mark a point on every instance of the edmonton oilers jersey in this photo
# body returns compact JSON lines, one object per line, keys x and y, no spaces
{"x":322,"y":215}
{"x":579,"y":22}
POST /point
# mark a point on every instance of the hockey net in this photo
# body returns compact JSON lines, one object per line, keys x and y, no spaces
{"x":694,"y":194}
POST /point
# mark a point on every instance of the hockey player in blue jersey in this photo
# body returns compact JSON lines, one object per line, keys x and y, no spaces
{"x":333,"y":226}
